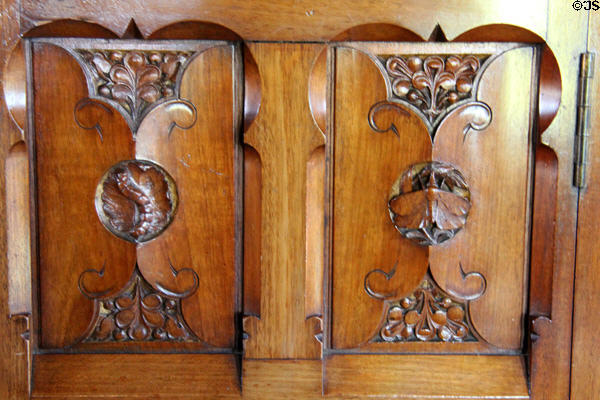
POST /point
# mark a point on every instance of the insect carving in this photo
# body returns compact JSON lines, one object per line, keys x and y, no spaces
{"x":430,"y":203}
{"x":136,"y":200}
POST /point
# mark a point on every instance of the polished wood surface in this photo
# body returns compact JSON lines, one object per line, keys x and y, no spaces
{"x":198,"y":154}
{"x":370,"y":255}
{"x":366,"y":164}
{"x":585,"y":369}
{"x":551,"y":348}
{"x":65,"y":312}
{"x":301,"y":20}
{"x":426,"y":376}
{"x":287,"y":104}
{"x":135,"y":376}
{"x":282,"y":329}
{"x":496,"y":163}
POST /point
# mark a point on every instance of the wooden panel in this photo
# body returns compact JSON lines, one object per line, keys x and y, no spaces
{"x":18,"y":230}
{"x":551,"y":349}
{"x":70,"y":162}
{"x":172,"y":376}
{"x":427,"y":376}
{"x":586,"y":327}
{"x":284,"y":135}
{"x":14,"y":365}
{"x":366,"y":244}
{"x":299,"y":20}
{"x":366,"y":165}
{"x":281,"y":379}
{"x":201,"y":159}
{"x":496,"y":165}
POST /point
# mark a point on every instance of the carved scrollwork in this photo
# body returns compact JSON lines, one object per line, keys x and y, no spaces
{"x":432,"y":83}
{"x":136,"y":200}
{"x":427,"y":315}
{"x":140,"y":313}
{"x":429,"y":203}
{"x":134,"y":79}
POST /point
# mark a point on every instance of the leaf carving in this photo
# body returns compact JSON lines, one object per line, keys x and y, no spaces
{"x":134,"y":79}
{"x":432,"y":83}
{"x":139,"y":313}
{"x":430,"y":203}
{"x":427,"y":315}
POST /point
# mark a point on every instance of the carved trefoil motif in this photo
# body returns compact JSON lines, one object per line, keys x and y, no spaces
{"x":432,"y":84}
{"x":140,"y":313}
{"x":427,"y":315}
{"x":430,"y":203}
{"x":134,"y":80}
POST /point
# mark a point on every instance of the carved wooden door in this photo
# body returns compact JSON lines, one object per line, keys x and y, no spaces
{"x":312,"y":206}
{"x":430,"y":192}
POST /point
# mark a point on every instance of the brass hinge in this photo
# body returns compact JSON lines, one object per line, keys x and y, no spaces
{"x":586,"y":74}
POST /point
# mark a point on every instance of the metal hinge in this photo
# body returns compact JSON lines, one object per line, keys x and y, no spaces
{"x":586,"y":74}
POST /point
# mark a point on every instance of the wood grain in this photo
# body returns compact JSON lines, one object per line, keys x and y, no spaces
{"x":551,"y":351}
{"x":366,"y":165}
{"x":199,"y":154}
{"x":304,"y":20}
{"x":172,"y":376}
{"x":14,"y":365}
{"x":66,"y":248}
{"x":300,"y":20}
{"x":281,"y":379}
{"x":496,"y":164}
{"x":586,"y":328}
{"x":18,"y":230}
{"x":15,"y":82}
{"x":252,"y":231}
{"x":426,"y":376}
{"x":543,"y":232}
{"x":284,"y":136}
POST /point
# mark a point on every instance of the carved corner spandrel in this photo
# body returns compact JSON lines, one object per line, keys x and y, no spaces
{"x":427,"y":315}
{"x":134,"y":81}
{"x":139,"y":313}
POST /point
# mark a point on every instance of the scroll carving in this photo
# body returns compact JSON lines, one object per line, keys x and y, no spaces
{"x":139,"y":313}
{"x":136,"y":200}
{"x":135,"y":80}
{"x":434,"y":83}
{"x":430,"y":203}
{"x":427,"y":315}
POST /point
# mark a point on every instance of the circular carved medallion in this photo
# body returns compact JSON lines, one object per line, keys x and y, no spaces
{"x":136,"y":200}
{"x":430,"y":203}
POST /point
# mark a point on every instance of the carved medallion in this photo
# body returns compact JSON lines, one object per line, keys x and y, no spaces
{"x":432,"y":83}
{"x":136,"y":200}
{"x":427,"y":315}
{"x":429,"y":203}
{"x":140,"y":313}
{"x":134,"y":79}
